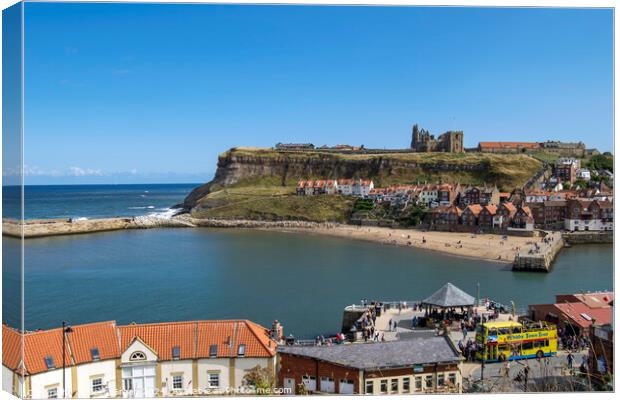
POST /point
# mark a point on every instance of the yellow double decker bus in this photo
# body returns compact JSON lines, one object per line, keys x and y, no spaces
{"x":510,"y":340}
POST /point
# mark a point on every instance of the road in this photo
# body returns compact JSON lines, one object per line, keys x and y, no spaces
{"x":548,"y":374}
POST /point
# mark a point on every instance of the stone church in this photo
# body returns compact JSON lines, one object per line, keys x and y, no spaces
{"x":422,"y":141}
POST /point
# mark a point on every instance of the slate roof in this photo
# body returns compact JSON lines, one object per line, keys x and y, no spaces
{"x":372,"y":356}
{"x":449,"y":296}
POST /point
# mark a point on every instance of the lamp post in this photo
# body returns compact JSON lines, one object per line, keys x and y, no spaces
{"x":65,"y":329}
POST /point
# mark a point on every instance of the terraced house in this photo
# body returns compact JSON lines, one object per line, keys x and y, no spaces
{"x":139,"y":360}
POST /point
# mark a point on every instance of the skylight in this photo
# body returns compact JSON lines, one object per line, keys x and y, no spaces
{"x":49,"y":362}
{"x":213,"y":350}
{"x":176,"y":352}
{"x":94,"y":353}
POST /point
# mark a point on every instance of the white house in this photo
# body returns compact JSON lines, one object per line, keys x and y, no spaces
{"x":362,"y":188}
{"x":309,"y":188}
{"x":345,"y":187}
{"x":536,"y":196}
{"x":103,"y":360}
{"x":428,"y":194}
{"x":584,"y":174}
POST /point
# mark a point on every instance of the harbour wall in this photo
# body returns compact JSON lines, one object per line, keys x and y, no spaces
{"x":540,"y":261}
{"x":588,"y":237}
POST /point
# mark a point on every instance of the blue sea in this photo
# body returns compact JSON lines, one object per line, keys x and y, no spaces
{"x":93,"y":201}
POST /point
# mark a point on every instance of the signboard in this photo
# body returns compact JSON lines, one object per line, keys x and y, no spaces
{"x":417,"y":368}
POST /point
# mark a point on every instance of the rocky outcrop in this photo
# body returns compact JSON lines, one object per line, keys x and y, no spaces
{"x":285,"y":168}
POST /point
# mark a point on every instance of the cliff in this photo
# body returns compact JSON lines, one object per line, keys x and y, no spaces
{"x":242,"y":171}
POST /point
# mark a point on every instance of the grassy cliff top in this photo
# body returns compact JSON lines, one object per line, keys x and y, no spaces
{"x":422,"y":158}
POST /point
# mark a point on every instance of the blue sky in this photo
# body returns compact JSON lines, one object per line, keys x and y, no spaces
{"x":129,"y":93}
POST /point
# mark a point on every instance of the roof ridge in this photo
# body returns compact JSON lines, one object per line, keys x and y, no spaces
{"x":197,"y":321}
{"x":39,"y":331}
{"x":252,"y":326}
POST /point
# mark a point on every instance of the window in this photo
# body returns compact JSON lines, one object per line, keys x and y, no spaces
{"x":241,"y":351}
{"x":214,"y":380}
{"x":176,"y":352}
{"x":370,"y":387}
{"x":94,"y":353}
{"x":384,"y":385}
{"x":440,"y":380}
{"x":394,"y":386}
{"x":177,"y":382}
{"x":52,"y":393}
{"x":406,"y":385}
{"x":527,"y":346}
{"x":428,"y":381}
{"x":49,"y":362}
{"x":137,"y":356}
{"x":213,"y":350}
{"x":452,"y":378}
{"x":418,"y":383}
{"x":97,"y":385}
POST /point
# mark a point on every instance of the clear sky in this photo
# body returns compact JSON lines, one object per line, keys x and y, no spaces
{"x":125,"y":93}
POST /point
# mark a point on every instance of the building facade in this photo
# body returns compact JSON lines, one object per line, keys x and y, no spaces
{"x":139,"y":360}
{"x":415,"y":366}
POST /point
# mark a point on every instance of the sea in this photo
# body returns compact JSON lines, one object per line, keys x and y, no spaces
{"x":303,"y":280}
{"x":94,"y":201}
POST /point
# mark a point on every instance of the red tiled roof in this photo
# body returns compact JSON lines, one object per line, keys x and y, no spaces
{"x":193,"y":339}
{"x":100,"y":335}
{"x":11,"y":347}
{"x":41,"y":344}
{"x":161,"y":337}
{"x":474,"y":208}
{"x":491,"y":209}
{"x":509,"y":145}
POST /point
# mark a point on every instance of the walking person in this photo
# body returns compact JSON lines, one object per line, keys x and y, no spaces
{"x":570,"y":358}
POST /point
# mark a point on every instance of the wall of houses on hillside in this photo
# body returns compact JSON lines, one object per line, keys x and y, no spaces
{"x":483,"y":207}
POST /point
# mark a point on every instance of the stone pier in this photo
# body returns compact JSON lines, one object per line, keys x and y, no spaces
{"x":533,"y":259}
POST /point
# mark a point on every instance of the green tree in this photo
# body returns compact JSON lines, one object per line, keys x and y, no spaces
{"x":363,"y":205}
{"x":416,"y":216}
{"x":602,"y":161}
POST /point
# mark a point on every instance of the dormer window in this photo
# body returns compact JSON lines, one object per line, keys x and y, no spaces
{"x":176,"y":352}
{"x":94,"y":353}
{"x":213,"y":350}
{"x":49,"y":362}
{"x":137,"y":356}
{"x":241,"y":350}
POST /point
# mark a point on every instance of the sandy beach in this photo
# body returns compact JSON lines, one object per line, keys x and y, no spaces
{"x":479,"y":246}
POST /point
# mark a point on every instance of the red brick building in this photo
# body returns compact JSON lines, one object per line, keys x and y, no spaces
{"x":446,"y":215}
{"x":470,"y":215}
{"x":422,"y":365}
{"x":576,"y":313}
{"x":485,"y":218}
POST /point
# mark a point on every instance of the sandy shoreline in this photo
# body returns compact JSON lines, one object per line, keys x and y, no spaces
{"x":479,"y":246}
